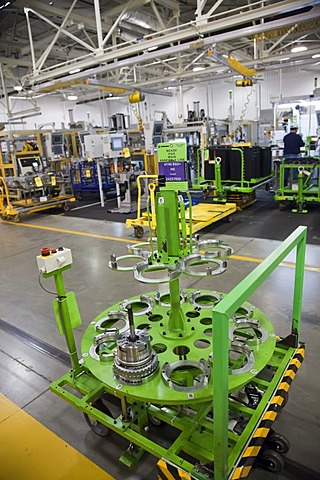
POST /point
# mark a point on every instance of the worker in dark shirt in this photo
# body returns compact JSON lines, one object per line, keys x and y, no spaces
{"x":292,"y":143}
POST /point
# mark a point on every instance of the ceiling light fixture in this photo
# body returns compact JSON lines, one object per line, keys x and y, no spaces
{"x":299,"y":48}
{"x":225,"y":55}
{"x":198,"y":69}
{"x":317,"y":55}
{"x":17,"y":88}
{"x":76,"y":70}
{"x":150,"y":49}
{"x":4,"y":5}
{"x":284,"y":59}
{"x":72,"y":97}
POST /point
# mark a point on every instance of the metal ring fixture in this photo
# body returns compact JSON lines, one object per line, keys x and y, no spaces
{"x":158,"y":295}
{"x":248,"y":312}
{"x":201,"y":380}
{"x":247,"y":352}
{"x":197,"y":258}
{"x":139,"y":248}
{"x":111,"y":335}
{"x":196,"y":296}
{"x":142,"y":311}
{"x":250,"y":323}
{"x":113,"y":316}
{"x":114,"y":263}
{"x":221,"y":250}
{"x":173,"y":272}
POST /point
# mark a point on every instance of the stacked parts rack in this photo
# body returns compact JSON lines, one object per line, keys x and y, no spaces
{"x":207,"y":364}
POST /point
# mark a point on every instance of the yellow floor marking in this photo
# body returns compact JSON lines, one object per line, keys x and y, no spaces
{"x":30,"y":451}
{"x":243,"y":258}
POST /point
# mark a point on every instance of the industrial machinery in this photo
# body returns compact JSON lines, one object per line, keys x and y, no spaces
{"x":297,"y":182}
{"x":233,"y":174}
{"x":33,"y":193}
{"x":208,"y":365}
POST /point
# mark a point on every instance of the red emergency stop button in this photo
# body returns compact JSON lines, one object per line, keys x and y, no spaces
{"x":53,"y":250}
{"x":45,"y":252}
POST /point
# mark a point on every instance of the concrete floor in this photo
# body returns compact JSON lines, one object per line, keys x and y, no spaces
{"x":25,"y":373}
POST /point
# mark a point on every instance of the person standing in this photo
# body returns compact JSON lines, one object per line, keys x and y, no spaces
{"x":292,"y":143}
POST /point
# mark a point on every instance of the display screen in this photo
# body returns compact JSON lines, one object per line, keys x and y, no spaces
{"x":157,"y":129}
{"x":57,"y":149}
{"x":28,"y":162}
{"x":318,"y":118}
{"x":57,"y":139}
{"x":117,"y":143}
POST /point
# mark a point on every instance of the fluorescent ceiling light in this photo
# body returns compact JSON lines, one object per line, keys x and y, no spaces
{"x":72,"y":97}
{"x":225,"y":55}
{"x":198,"y":69}
{"x":317,"y":55}
{"x":284,"y":59}
{"x":17,"y":88}
{"x":76,"y":70}
{"x":113,"y":98}
{"x":299,"y":48}
{"x":4,"y":5}
{"x":150,"y":49}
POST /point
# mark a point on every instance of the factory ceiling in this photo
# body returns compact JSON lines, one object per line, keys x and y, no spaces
{"x":154,"y":45}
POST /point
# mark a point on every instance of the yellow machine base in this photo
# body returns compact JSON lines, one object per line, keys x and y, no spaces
{"x":30,"y":451}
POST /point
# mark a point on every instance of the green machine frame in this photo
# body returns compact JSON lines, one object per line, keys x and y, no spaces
{"x":224,"y":190}
{"x":302,"y":185}
{"x":186,"y":375}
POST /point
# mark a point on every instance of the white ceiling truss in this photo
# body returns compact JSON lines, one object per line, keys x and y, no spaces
{"x":149,"y":44}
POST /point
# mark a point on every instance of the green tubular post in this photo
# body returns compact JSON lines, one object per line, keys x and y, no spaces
{"x":300,"y":191}
{"x":298,"y":284}
{"x":176,"y":318}
{"x":242,"y":164}
{"x":221,"y":314}
{"x":65,"y":321}
{"x":217,"y":176}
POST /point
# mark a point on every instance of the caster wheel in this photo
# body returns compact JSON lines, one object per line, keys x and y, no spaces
{"x":278,"y":442}
{"x":281,"y":207}
{"x":230,"y":219}
{"x":16,"y":218}
{"x":79,"y":197}
{"x":271,"y":461}
{"x":66,"y":207}
{"x":138,"y":232}
{"x":97,"y":427}
{"x":155,"y":421}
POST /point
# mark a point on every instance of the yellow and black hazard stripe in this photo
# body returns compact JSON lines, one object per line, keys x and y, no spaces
{"x":167,"y":471}
{"x":260,"y":434}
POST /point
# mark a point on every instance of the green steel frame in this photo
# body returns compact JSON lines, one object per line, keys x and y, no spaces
{"x":302,"y":185}
{"x":222,"y":187}
{"x":203,"y":421}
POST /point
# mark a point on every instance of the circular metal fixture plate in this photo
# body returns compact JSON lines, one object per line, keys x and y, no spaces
{"x":158,"y":296}
{"x":198,"y":259}
{"x":156,"y":390}
{"x":172,"y":272}
{"x":208,"y":299}
{"x":123,"y":258}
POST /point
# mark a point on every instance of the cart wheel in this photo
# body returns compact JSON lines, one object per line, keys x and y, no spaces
{"x":278,"y":442}
{"x":155,"y":421}
{"x":66,"y":207}
{"x":230,"y":219}
{"x":17,"y":218}
{"x":271,"y":460}
{"x":79,"y":197}
{"x":97,"y":427}
{"x":281,"y":207}
{"x":138,"y":232}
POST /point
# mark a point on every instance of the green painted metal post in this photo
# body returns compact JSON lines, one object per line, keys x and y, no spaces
{"x":298,"y":284}
{"x":66,"y":322}
{"x":220,"y":342}
{"x":176,"y":318}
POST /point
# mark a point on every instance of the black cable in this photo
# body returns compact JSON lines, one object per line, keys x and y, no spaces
{"x":47,"y":291}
